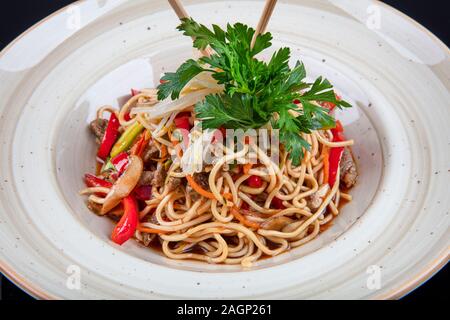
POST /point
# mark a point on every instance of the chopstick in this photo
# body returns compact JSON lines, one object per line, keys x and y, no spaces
{"x":178,"y":8}
{"x":182,"y":13}
{"x":264,"y":20}
{"x":262,"y":24}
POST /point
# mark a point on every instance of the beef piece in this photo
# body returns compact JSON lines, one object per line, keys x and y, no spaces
{"x":146,"y":178}
{"x":202,"y":179}
{"x":147,"y":238}
{"x":98,"y":128}
{"x":194,"y":195}
{"x":260,"y":199}
{"x":314,"y":201}
{"x":159,"y":176}
{"x":150,"y":152}
{"x":173,"y":183}
{"x":155,"y":178}
{"x":96,"y":208}
{"x":348,"y":169}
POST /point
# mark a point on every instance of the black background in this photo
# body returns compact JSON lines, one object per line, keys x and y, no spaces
{"x":17,"y":16}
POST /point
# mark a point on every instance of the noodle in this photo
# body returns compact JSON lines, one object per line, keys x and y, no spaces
{"x":232,"y":222}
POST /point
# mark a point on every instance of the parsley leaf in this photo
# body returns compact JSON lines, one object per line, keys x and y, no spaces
{"x":294,"y":144}
{"x":322,"y":90}
{"x":256,"y":92}
{"x":173,"y":83}
{"x":235,"y":112}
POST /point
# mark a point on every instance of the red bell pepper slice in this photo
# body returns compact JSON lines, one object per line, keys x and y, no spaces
{"x":338,"y":129}
{"x":143,"y":193}
{"x":93,"y":181}
{"x":182,"y":121}
{"x":120,"y":162}
{"x":109,"y":138}
{"x":127,"y":225}
{"x":335,"y":153}
{"x":335,"y":158}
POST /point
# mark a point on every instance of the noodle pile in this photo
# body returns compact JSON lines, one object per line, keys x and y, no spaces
{"x":227,"y":225}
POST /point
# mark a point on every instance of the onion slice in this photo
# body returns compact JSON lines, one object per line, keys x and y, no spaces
{"x":168,"y":106}
{"x":124,"y":185}
{"x":276,"y":223}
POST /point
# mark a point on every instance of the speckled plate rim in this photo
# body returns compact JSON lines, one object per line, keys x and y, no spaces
{"x":24,"y":284}
{"x":401,"y":290}
{"x":435,"y":266}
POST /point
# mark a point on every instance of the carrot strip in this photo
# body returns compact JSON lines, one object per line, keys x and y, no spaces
{"x":235,"y":212}
{"x":142,"y":148}
{"x":138,"y":148}
{"x":199,"y":189}
{"x":150,"y":230}
{"x":326,"y":164}
{"x":135,"y":147}
{"x":163,"y":151}
{"x":228,"y":196}
{"x":148,"y":135}
{"x":203,"y":192}
{"x":246,"y":168}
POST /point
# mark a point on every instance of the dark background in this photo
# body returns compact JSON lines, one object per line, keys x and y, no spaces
{"x":17,"y":16}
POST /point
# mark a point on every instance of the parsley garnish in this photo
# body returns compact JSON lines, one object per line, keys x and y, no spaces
{"x":255,"y":92}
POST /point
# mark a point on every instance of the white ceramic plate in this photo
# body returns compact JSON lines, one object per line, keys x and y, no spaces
{"x":55,"y":75}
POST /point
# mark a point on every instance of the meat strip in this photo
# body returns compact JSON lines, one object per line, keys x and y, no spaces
{"x":98,"y":128}
{"x":150,"y":152}
{"x":155,"y":178}
{"x":173,"y":183}
{"x":146,"y":178}
{"x":159,"y":176}
{"x":202,"y":179}
{"x":348,"y":170}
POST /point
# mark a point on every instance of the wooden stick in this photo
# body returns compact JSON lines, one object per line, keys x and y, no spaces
{"x":178,"y":8}
{"x":264,"y":20}
{"x":182,"y":13}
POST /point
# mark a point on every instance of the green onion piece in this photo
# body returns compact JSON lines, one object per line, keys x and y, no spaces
{"x":126,"y":139}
